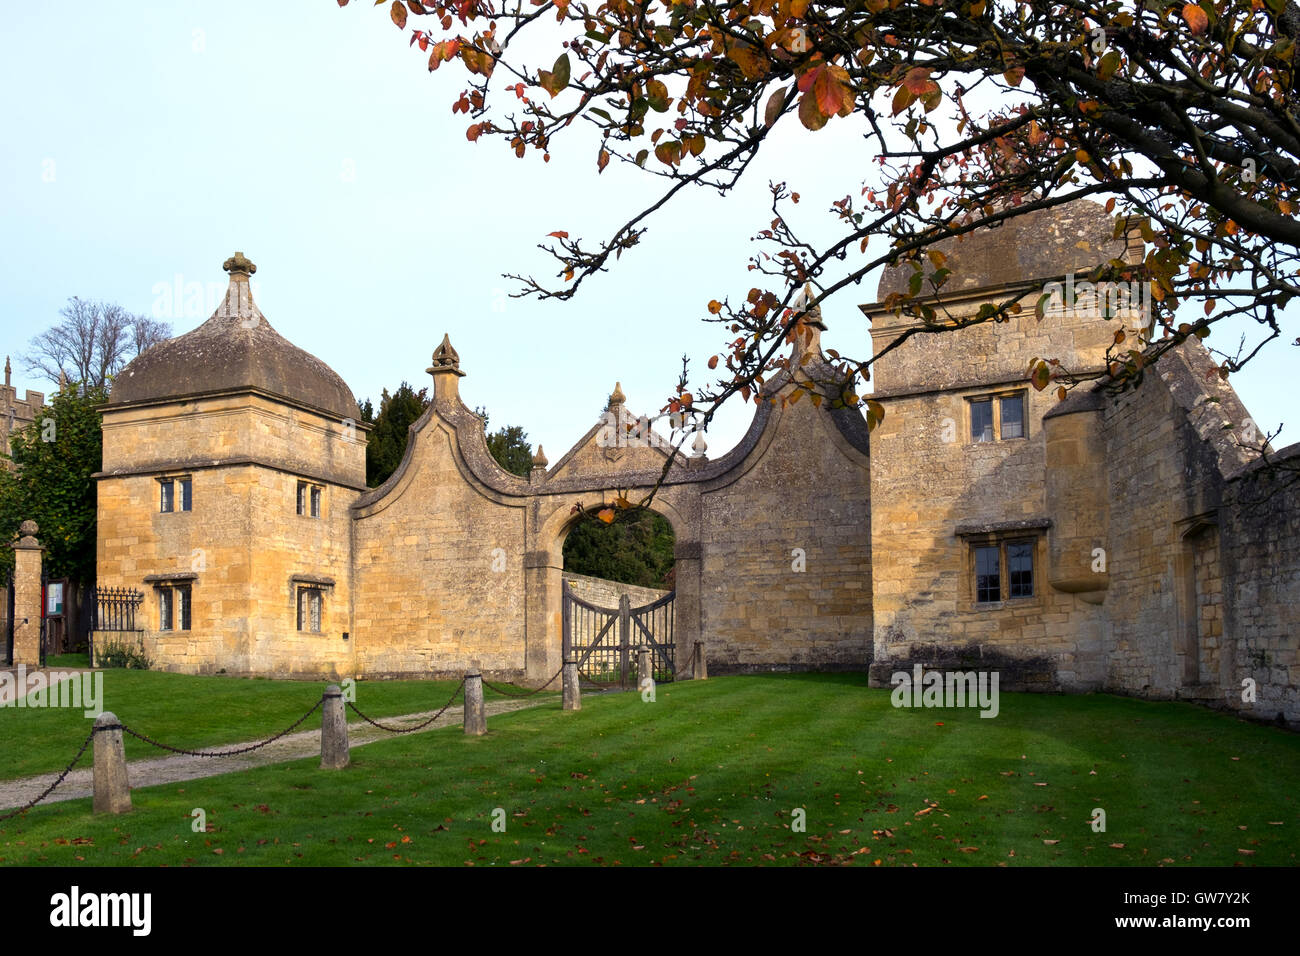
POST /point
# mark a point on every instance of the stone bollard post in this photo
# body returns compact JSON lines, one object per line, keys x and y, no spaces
{"x":475,"y":717}
{"x":700,"y":664}
{"x":643,"y":671}
{"x":112,"y":791}
{"x":572,"y":696}
{"x":333,"y":730}
{"x":27,"y":596}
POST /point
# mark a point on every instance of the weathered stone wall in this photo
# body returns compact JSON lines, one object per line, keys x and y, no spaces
{"x":786,"y":552}
{"x":936,"y":494}
{"x":1205,"y":547}
{"x":1261,"y":589}
{"x":224,"y":429}
{"x":604,"y":593}
{"x":438,"y":567}
{"x":243,"y":539}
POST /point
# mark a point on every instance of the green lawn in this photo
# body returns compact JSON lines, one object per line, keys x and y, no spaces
{"x":711,"y":773}
{"x":192,"y":712}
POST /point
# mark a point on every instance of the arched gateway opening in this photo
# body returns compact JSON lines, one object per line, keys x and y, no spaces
{"x":618,"y":595}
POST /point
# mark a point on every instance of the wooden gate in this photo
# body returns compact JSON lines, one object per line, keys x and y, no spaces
{"x":605,"y":641}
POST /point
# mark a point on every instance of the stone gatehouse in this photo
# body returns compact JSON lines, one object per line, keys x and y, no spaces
{"x":1129,"y":543}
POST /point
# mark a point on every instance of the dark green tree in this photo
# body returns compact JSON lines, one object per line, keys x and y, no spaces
{"x":509,"y":446}
{"x":635,"y":548}
{"x":51,"y":483}
{"x":387,"y":444}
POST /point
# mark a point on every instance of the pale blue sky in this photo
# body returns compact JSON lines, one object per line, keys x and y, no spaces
{"x":147,"y":141}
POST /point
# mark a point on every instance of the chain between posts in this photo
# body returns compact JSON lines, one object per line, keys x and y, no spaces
{"x":420,"y":726}
{"x":530,"y":693}
{"x":218,"y":753}
{"x":50,"y":789}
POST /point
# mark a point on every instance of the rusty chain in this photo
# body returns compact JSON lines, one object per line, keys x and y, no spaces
{"x":530,"y":693}
{"x":50,"y":789}
{"x":221,"y":753}
{"x":420,"y":726}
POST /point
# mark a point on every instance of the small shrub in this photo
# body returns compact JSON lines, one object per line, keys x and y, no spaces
{"x":125,"y":655}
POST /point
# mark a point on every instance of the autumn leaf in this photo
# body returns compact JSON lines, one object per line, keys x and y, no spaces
{"x":750,"y":59}
{"x":1039,"y":374}
{"x":811,"y":117}
{"x":657,"y":96}
{"x":606,"y":515}
{"x":918,"y":80}
{"x":602,"y":161}
{"x":1040,"y":307}
{"x":557,"y":78}
{"x":398,"y":12}
{"x":1108,"y":65}
{"x":875,"y":414}
{"x":903,"y":99}
{"x":775,"y":102}
{"x":1196,"y":19}
{"x":559,"y":234}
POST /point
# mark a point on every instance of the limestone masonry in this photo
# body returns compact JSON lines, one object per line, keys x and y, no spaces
{"x":1130,"y":543}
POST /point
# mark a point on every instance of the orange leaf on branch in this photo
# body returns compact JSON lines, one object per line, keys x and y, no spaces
{"x":1196,"y":19}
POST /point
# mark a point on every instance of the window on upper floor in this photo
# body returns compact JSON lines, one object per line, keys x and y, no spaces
{"x":997,"y":417}
{"x":175,"y":494}
{"x":309,"y":499}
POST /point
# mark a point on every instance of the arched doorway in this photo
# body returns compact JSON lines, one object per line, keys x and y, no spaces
{"x":618,"y":595}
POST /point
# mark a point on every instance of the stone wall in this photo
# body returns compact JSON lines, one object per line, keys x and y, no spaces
{"x":243,"y":541}
{"x":786,"y":551}
{"x":605,"y":593}
{"x":438,"y":567}
{"x":937,"y":494}
{"x":1204,"y":547}
{"x":1261,"y":588}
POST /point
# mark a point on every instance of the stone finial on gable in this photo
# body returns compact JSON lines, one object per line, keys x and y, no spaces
{"x":616,"y":397}
{"x":809,"y":344}
{"x":8,"y":370}
{"x":539,"y":465}
{"x":239,"y":264}
{"x":699,"y":446}
{"x":445,"y":371}
{"x":445,"y":358}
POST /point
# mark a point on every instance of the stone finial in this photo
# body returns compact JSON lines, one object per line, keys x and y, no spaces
{"x":63,"y":380}
{"x":8,"y":371}
{"x":699,"y":446}
{"x":616,"y":397}
{"x":239,"y":264}
{"x":28,"y":528}
{"x":445,"y":358}
{"x":539,"y":459}
{"x":238,"y":303}
{"x":810,"y":341}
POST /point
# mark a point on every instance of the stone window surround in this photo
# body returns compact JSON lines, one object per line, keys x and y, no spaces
{"x":180,"y":586}
{"x":310,"y":499}
{"x":177,"y":501}
{"x":995,"y":397}
{"x":299,"y":584}
{"x":999,"y":535}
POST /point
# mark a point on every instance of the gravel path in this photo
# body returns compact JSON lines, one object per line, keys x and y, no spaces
{"x":147,"y":773}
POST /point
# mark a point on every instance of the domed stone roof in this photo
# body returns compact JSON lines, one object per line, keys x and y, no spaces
{"x":1044,"y":244}
{"x":235,"y":349}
